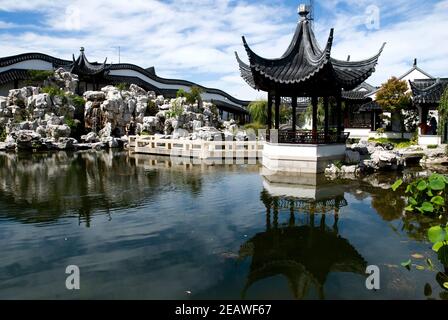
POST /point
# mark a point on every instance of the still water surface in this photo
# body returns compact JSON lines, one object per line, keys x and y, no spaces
{"x":140,"y":227}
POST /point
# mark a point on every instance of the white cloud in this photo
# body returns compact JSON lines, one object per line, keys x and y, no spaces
{"x":190,"y":38}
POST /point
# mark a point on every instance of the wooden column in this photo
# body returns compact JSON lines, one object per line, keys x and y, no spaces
{"x":339,"y":117}
{"x":314,"y":102}
{"x":269,"y":111}
{"x":277,"y":111}
{"x":294,"y":113}
{"x":373,"y":121}
{"x":423,"y":115}
{"x":326,"y":120}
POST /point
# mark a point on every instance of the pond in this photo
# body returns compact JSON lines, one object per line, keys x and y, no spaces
{"x":143,"y":227}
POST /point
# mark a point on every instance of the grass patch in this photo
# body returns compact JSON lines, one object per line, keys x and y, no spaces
{"x":397,"y":143}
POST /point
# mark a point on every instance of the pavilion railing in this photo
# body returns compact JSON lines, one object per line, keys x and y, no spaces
{"x":307,"y":137}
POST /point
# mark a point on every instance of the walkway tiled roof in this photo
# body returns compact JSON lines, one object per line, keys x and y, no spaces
{"x":428,"y":91}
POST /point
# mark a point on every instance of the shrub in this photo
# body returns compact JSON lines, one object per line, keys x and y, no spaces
{"x":433,"y":146}
{"x":2,"y":134}
{"x":353,"y":141}
{"x":181,"y":93}
{"x":151,"y":109}
{"x":76,"y":128}
{"x":122,"y":86}
{"x":37,"y":77}
{"x":193,"y":96}
{"x":338,"y":163}
{"x":380,"y":131}
{"x":176,"y":110}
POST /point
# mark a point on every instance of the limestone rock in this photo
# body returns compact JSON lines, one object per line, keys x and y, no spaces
{"x":59,"y":131}
{"x":94,"y":95}
{"x":352,"y":157}
{"x":91,"y":137}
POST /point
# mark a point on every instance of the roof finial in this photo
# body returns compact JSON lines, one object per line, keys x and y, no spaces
{"x":415,"y":62}
{"x":303,"y":11}
{"x":82,"y":49}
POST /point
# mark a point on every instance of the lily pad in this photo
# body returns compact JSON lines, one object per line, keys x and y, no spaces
{"x":397,"y":185}
{"x":406,"y":263}
{"x":437,"y":246}
{"x":427,"y":207}
{"x":422,"y":185}
{"x":421,"y":268}
{"x":409,"y":188}
{"x":437,"y":183}
{"x":438,"y":200}
{"x":436,"y":234}
{"x":412,"y":201}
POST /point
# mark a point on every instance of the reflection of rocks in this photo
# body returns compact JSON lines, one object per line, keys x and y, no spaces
{"x":60,"y":183}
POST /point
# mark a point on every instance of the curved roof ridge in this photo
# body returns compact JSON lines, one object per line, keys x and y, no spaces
{"x":10,"y":60}
{"x":350,"y":64}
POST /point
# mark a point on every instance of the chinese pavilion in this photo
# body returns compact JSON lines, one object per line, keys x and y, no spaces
{"x":306,"y":70}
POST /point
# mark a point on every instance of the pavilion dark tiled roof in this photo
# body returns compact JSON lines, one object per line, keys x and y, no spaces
{"x":83,"y":66}
{"x":304,"y":63}
{"x":428,"y":91}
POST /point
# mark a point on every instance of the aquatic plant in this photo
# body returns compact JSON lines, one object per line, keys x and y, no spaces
{"x":438,"y":235}
{"x":426,"y":195}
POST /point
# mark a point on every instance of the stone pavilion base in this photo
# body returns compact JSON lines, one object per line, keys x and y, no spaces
{"x":301,"y":158}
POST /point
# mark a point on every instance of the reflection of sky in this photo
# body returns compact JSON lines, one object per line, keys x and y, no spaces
{"x":172,"y":241}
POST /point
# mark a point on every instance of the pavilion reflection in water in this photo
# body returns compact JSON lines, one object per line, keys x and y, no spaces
{"x":307,"y":247}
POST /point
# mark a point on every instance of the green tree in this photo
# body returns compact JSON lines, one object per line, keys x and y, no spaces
{"x":443,"y":114}
{"x":259,"y":111}
{"x":394,"y":96}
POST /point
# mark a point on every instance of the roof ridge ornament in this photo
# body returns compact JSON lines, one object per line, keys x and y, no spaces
{"x":303,"y":11}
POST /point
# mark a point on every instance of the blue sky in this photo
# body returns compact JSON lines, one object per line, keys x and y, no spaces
{"x":195,"y":39}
